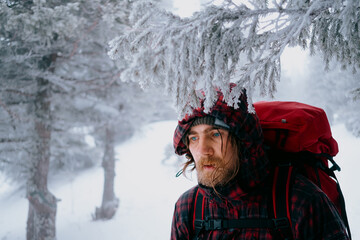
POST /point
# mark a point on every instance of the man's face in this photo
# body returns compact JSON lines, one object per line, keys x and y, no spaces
{"x":214,"y":155}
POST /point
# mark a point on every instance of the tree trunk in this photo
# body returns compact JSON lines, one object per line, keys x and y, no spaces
{"x":110,"y":202}
{"x":42,"y":204}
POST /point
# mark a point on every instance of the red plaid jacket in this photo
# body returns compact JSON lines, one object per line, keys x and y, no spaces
{"x":313,"y":216}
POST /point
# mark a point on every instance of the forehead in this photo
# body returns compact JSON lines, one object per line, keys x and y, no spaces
{"x":204,"y":128}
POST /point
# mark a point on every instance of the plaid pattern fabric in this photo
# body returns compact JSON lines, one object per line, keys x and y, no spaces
{"x":245,"y":126}
{"x":313,"y":215}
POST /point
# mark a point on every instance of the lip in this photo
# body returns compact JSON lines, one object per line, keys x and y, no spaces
{"x":209,"y":167}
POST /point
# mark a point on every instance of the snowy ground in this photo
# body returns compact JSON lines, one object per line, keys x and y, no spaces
{"x":147,"y":188}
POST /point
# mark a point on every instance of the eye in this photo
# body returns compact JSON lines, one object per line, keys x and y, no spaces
{"x":193,"y":138}
{"x":216,"y":134}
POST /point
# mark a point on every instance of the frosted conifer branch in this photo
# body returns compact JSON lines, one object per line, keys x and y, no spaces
{"x":233,"y":43}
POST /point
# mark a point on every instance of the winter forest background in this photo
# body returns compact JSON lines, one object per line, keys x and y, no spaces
{"x":85,"y":126}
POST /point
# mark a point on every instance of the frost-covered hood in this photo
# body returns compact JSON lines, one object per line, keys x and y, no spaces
{"x":254,"y":165}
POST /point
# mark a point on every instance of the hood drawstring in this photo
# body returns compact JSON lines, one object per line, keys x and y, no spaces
{"x":178,"y":174}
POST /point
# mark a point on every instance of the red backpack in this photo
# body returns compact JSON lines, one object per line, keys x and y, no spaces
{"x":299,"y":140}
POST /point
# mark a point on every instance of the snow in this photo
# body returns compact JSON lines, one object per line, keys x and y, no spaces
{"x":185,"y":8}
{"x":147,"y":188}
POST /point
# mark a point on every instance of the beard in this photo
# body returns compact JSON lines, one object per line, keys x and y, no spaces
{"x":213,"y":171}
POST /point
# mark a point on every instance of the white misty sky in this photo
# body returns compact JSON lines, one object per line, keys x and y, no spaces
{"x":185,"y":8}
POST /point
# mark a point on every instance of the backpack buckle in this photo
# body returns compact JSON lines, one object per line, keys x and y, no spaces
{"x":212,"y":224}
{"x":216,"y":224}
{"x":280,"y":223}
{"x":199,"y":224}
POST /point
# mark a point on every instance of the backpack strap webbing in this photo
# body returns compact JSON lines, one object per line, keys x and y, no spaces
{"x":201,"y":223}
{"x":283,"y":178}
{"x":218,"y":224}
{"x":331,"y":173}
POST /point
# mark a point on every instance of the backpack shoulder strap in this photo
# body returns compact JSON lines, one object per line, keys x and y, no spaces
{"x":198,"y":216}
{"x":283,"y":179}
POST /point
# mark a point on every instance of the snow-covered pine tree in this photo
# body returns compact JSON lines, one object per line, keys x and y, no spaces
{"x":236,"y":41}
{"x":54,"y":68}
{"x":96,"y":100}
{"x":106,"y":105}
{"x":32,"y":35}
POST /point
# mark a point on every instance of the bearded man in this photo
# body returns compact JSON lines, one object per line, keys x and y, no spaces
{"x":225,"y":147}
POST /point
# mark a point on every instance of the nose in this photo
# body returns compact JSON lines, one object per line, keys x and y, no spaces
{"x":205,"y":147}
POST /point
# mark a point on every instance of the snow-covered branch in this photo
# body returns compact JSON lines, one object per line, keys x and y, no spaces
{"x":232,"y":43}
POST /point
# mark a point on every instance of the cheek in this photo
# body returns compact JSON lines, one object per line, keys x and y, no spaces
{"x":194,"y":153}
{"x":196,"y":158}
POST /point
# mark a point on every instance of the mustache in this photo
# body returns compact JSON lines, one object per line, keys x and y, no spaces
{"x":215,"y":161}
